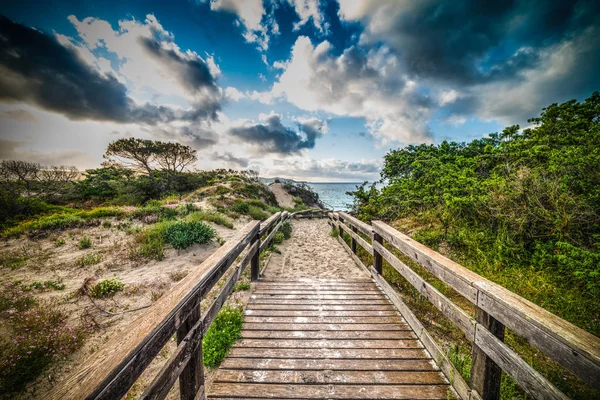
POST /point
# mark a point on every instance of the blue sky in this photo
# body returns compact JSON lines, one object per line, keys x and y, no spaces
{"x":307,"y":89}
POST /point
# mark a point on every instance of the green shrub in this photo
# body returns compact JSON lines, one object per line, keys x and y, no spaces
{"x":150,"y":243}
{"x":241,"y":286}
{"x":85,"y":242}
{"x":89,"y":259}
{"x":240,"y":206}
{"x":286,"y":229}
{"x":257,"y":213}
{"x":106,"y":224}
{"x":221,"y":335}
{"x":278,"y":238}
{"x":211,"y":216}
{"x":183,"y":234}
{"x":106,"y":288}
{"x":334,"y":232}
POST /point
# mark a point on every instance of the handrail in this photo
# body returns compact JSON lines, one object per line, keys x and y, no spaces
{"x":111,"y":371}
{"x":495,"y":308}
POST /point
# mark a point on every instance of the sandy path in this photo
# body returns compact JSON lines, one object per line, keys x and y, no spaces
{"x":284,"y":199}
{"x":311,"y":253}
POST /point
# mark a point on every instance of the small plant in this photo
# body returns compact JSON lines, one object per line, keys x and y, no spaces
{"x":14,"y":260}
{"x":211,"y":216}
{"x":107,"y":224}
{"x":183,"y":234}
{"x":221,"y":335}
{"x":85,"y":242}
{"x":150,"y":243}
{"x":89,"y":259}
{"x":278,"y":238}
{"x":106,"y":288}
{"x":286,"y":229}
{"x":334,"y":232}
{"x":56,"y":285}
{"x":241,"y":286}
{"x":176,"y":276}
{"x":257,"y":213}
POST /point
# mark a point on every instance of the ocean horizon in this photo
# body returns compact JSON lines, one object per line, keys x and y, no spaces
{"x":333,"y":194}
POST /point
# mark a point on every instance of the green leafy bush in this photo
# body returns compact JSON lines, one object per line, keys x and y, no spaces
{"x":278,"y":238}
{"x":286,"y":229}
{"x":221,"y":335}
{"x":183,"y":234}
{"x":106,"y":288}
{"x":257,"y":213}
{"x":85,"y":242}
{"x":211,"y":216}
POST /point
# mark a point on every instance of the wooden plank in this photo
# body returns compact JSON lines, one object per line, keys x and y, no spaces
{"x":317,"y":313}
{"x":338,"y":286}
{"x":363,"y":243}
{"x":572,"y":347}
{"x":191,"y":374}
{"x":391,"y":392}
{"x":330,"y":343}
{"x":269,"y":223}
{"x":485,"y":373}
{"x":110,"y":372}
{"x":300,"y":364}
{"x":331,"y":377}
{"x":363,"y":227}
{"x":325,"y":327}
{"x":454,"y":274}
{"x":317,"y":307}
{"x":379,"y":301}
{"x":522,"y":373}
{"x":350,"y":335}
{"x":324,"y":320}
{"x":354,"y":257}
{"x":318,"y":292}
{"x":441,"y":359}
{"x":265,"y":243}
{"x":318,"y":281}
{"x":318,"y":296}
{"x":454,"y":313}
{"x":328,"y":353}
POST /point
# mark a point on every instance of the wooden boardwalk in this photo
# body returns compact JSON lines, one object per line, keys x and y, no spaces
{"x":325,"y":339}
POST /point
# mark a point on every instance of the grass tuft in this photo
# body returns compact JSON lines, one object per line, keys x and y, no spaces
{"x":221,"y":335}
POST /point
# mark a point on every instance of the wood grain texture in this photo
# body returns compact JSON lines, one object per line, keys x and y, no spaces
{"x":363,"y":227}
{"x":355,"y":236}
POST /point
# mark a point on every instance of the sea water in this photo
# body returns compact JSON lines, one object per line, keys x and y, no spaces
{"x":333,"y":195}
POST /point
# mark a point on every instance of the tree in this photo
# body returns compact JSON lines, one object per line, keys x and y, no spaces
{"x":29,"y":179}
{"x":174,"y":158}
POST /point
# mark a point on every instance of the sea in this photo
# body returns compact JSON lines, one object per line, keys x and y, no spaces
{"x":333,"y":195}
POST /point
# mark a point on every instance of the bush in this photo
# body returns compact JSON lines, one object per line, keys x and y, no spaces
{"x":150,"y":243}
{"x":49,"y":337}
{"x":221,"y":335}
{"x":211,"y":216}
{"x":183,"y":234}
{"x":241,"y":286}
{"x":240,"y":206}
{"x":89,"y":259}
{"x":286,"y":229}
{"x":257,"y":213}
{"x":278,"y":238}
{"x":106,"y":288}
{"x":85,"y":242}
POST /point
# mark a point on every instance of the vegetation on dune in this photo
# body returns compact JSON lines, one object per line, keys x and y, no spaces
{"x":183,"y":234}
{"x":222,"y":334}
{"x":521,"y":208}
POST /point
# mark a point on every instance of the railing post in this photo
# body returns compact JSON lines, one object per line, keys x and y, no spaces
{"x":485,"y":374}
{"x":191,"y":380}
{"x":341,"y":219}
{"x":377,"y":258}
{"x":353,"y":242}
{"x":255,"y":262}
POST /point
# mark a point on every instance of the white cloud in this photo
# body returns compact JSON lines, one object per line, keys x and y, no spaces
{"x":232,"y":93}
{"x":370,"y":85}
{"x":250,"y":12}
{"x":309,"y":10}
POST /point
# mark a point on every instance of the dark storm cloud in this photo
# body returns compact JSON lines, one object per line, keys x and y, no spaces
{"x":471,"y":41}
{"x":35,"y":68}
{"x":195,"y":136}
{"x":274,"y":137}
{"x":230,"y":158}
{"x":192,"y":72}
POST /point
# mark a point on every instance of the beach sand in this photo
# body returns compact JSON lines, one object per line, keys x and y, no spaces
{"x":311,"y":253}
{"x":284,"y":199}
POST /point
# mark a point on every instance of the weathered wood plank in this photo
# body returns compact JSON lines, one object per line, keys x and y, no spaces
{"x":455,"y":275}
{"x":363,"y":243}
{"x":317,"y":307}
{"x":325,"y":327}
{"x":331,"y":377}
{"x":354,"y":257}
{"x":328,"y":353}
{"x":379,"y":301}
{"x":391,"y":392}
{"x":318,"y":292}
{"x":572,"y":347}
{"x":524,"y":375}
{"x":315,"y":281}
{"x":299,"y":364}
{"x":324,"y":320}
{"x":441,"y":359}
{"x":485,"y":373}
{"x":454,"y":313}
{"x":315,"y":296}
{"x":317,"y":313}
{"x":349,"y":335}
{"x":110,"y":372}
{"x":330,"y":343}
{"x":269,"y":223}
{"x":363,"y":227}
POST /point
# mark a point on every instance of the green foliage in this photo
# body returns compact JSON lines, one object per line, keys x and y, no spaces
{"x":183,"y":234}
{"x":85,"y":242}
{"x":211,"y":216}
{"x":278,"y":238}
{"x":14,"y":260}
{"x":335,"y":232}
{"x":56,"y":285}
{"x":59,"y":242}
{"x":106,"y":288}
{"x":89,"y":259}
{"x":222,"y":334}
{"x":286,"y":230}
{"x":529,"y":198}
{"x":241,"y":286}
{"x":150,"y":243}
{"x":257,"y":213}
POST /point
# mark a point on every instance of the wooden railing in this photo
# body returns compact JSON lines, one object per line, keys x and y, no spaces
{"x":111,"y":371}
{"x":495,"y":308}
